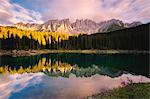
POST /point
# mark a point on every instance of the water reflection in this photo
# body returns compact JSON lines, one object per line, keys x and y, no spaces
{"x":59,"y":69}
{"x":40,"y":86}
{"x":42,"y":65}
{"x":64,"y":64}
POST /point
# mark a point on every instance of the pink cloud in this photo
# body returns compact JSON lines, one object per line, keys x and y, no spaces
{"x":97,"y":10}
{"x":11,"y":13}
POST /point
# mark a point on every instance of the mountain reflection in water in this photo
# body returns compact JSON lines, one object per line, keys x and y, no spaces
{"x":68,"y":75}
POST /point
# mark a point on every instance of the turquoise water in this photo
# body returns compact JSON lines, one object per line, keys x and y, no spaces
{"x":111,"y":64}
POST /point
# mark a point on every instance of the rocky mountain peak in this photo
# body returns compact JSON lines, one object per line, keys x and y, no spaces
{"x":134,"y":24}
{"x":107,"y":25}
{"x":85,"y":26}
{"x":27,"y":26}
{"x":79,"y":26}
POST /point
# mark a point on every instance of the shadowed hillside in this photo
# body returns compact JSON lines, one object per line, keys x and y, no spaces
{"x":136,"y":38}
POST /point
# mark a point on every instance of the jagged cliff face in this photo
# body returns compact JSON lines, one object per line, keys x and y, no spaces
{"x":27,"y":26}
{"x":56,"y":26}
{"x":85,"y":26}
{"x":79,"y":26}
{"x":133,"y":24}
{"x":107,"y":25}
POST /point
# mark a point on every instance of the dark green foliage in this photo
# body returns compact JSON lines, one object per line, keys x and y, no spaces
{"x":17,"y":43}
{"x":136,"y":38}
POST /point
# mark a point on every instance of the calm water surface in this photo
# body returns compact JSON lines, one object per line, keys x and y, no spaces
{"x":80,"y":64}
{"x":68,"y":75}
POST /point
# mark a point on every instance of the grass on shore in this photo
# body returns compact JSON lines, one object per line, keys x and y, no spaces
{"x":45,"y":51}
{"x":131,"y":91}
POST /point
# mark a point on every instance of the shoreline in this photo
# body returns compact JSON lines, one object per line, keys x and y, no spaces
{"x":134,"y":90}
{"x":17,"y":53}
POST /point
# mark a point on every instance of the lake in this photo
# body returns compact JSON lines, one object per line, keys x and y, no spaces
{"x":110,"y":64}
{"x":69,"y":75}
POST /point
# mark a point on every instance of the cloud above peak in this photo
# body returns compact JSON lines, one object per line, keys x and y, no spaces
{"x":99,"y":10}
{"x":77,"y":9}
{"x":38,"y":11}
{"x":11,"y":13}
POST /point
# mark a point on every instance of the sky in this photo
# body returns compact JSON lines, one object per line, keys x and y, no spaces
{"x":39,"y":11}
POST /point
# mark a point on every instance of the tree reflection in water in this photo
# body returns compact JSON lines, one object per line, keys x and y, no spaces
{"x":57,"y":69}
{"x":41,"y":66}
